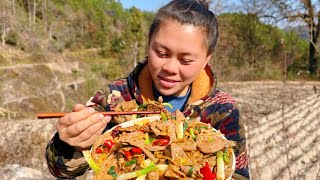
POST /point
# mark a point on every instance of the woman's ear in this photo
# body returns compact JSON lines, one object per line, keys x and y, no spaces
{"x":207,"y":60}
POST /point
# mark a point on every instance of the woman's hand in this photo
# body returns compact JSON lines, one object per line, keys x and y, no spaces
{"x":81,"y":127}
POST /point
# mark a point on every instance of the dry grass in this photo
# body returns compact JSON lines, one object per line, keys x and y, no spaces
{"x":282,"y":122}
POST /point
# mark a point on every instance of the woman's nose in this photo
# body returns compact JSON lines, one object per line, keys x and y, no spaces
{"x":170,"y":66}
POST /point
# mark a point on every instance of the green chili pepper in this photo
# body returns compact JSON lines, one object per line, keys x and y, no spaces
{"x":112,"y":172}
{"x":129,"y":163}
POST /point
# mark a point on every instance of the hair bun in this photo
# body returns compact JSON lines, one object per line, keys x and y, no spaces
{"x":205,"y":3}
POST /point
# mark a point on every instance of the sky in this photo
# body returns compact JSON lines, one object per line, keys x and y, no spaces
{"x":152,"y":5}
{"x":147,"y":5}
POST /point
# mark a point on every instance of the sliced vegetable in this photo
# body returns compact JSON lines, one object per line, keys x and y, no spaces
{"x":179,"y":130}
{"x":147,"y":139}
{"x":161,"y":142}
{"x":167,"y":104}
{"x":128,"y":155}
{"x":193,"y":136}
{"x":132,"y":161}
{"x":135,"y":174}
{"x":90,"y":161}
{"x":198,"y":128}
{"x":185,"y":126}
{"x":163,"y":116}
{"x":142,"y":177}
{"x":108,"y":143}
{"x":190,"y":171}
{"x":146,"y":163}
{"x":136,"y":150}
{"x":226,"y":157}
{"x":207,"y":173}
{"x":142,"y":106}
{"x":163,"y":167}
{"x":112,"y":172}
{"x":220,"y":166}
{"x":99,"y":150}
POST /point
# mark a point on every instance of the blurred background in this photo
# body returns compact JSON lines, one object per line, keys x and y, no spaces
{"x":56,"y":53}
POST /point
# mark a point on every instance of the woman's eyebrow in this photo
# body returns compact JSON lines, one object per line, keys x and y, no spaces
{"x":155,"y":43}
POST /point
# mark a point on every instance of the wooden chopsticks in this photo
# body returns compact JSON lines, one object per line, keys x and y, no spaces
{"x":46,"y":115}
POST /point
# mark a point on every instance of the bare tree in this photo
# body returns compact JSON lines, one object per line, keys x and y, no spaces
{"x":44,"y":15}
{"x":29,"y":12}
{"x":306,"y":11}
{"x":4,"y":19}
{"x":13,"y":8}
{"x":34,"y":14}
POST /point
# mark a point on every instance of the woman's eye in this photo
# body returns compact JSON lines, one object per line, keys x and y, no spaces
{"x":186,"y":61}
{"x":161,"y":54}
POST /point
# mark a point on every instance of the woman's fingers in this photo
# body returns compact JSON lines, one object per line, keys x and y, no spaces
{"x":78,"y":107}
{"x":89,"y":135}
{"x":89,"y":142}
{"x":83,"y":125}
{"x":74,"y":117}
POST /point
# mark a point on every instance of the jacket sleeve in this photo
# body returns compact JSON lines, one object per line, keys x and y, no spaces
{"x":222,"y":114}
{"x":62,"y":159}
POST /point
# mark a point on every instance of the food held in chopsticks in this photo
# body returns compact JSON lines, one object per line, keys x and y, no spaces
{"x":150,"y":106}
{"x":162,"y":147}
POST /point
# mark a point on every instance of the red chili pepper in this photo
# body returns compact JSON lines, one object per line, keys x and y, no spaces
{"x":207,"y":173}
{"x":99,"y":150}
{"x":128,"y":155}
{"x":108,"y":143}
{"x":161,"y":142}
{"x":136,"y":150}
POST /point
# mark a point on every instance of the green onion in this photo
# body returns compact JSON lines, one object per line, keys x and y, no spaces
{"x":112,"y":172}
{"x":193,"y":136}
{"x":226,"y":158}
{"x":129,"y":163}
{"x":190,"y":171}
{"x":135,"y":174}
{"x":198,"y":128}
{"x":164,"y":117}
{"x":179,"y":130}
{"x":167,"y":104}
{"x":142,"y":106}
{"x":185,"y":126}
{"x":220,"y":166}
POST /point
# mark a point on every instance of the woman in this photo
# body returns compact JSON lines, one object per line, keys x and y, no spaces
{"x":181,"y":41}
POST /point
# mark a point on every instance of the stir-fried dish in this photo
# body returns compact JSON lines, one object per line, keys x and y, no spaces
{"x":169,"y":148}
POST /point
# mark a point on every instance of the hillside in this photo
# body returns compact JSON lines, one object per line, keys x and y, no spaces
{"x":282,"y":123}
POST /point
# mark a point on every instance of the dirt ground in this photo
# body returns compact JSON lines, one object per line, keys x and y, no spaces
{"x":282,"y":122}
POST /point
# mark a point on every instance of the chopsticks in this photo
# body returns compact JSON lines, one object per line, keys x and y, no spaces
{"x":46,"y":115}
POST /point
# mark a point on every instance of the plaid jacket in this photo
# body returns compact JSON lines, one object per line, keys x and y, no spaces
{"x":213,"y":106}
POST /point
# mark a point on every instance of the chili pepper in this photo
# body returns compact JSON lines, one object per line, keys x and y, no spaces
{"x":108,"y":143}
{"x":136,"y":150}
{"x":128,"y":155}
{"x":207,"y":173}
{"x":99,"y":150}
{"x":161,"y":142}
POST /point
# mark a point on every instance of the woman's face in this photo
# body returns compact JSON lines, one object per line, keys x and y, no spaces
{"x":176,"y":54}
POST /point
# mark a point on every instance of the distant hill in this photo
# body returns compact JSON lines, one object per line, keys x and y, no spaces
{"x":302,"y":31}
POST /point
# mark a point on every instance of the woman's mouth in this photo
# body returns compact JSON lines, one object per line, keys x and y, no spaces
{"x":167,"y":83}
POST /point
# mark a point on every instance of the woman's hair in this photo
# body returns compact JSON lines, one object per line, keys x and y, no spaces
{"x":193,"y":12}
